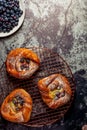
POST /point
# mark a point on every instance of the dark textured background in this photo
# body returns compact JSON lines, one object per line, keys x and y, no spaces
{"x":60,"y":25}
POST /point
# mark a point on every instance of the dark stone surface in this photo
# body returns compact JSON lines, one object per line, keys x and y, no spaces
{"x":60,"y":25}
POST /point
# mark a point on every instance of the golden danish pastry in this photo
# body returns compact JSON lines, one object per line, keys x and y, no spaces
{"x":55,"y":90}
{"x":17,"y":106}
{"x":22,"y":63}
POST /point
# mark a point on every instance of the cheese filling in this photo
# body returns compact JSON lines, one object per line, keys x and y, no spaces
{"x":17,"y":103}
{"x":57,"y":93}
{"x":22,"y":64}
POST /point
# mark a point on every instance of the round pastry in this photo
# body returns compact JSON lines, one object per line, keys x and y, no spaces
{"x":17,"y":106}
{"x":55,"y":90}
{"x":22,"y":63}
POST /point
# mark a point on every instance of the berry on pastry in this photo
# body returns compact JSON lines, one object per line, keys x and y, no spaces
{"x":55,"y":90}
{"x":22,"y":63}
{"x":17,"y":106}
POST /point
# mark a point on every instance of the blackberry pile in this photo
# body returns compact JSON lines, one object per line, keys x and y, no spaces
{"x":9,"y":14}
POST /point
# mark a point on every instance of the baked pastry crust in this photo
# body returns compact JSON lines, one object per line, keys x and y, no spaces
{"x":22,"y":63}
{"x":17,"y":106}
{"x":55,"y":90}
